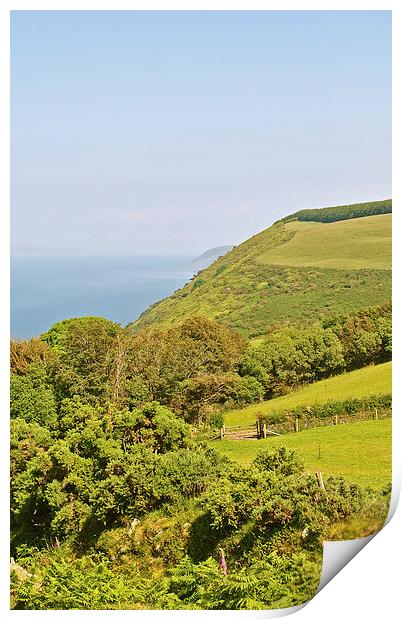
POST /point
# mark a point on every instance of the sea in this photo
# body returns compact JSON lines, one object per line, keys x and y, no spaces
{"x":48,"y":289}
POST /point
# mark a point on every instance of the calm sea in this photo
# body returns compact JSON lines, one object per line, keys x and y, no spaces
{"x":45,"y":290}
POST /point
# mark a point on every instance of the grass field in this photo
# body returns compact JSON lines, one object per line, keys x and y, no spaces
{"x":296,"y":271}
{"x":350,"y":244}
{"x":356,"y":384}
{"x":361,"y":452}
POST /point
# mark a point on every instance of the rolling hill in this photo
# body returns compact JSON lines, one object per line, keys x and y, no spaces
{"x":309,"y":265}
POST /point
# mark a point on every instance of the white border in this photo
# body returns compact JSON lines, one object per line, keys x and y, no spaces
{"x":369,"y":585}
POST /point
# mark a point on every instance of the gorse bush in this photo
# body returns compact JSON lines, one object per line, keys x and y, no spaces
{"x":32,"y":396}
{"x":101,"y":465}
{"x":276,"y":492}
{"x":268,"y":520}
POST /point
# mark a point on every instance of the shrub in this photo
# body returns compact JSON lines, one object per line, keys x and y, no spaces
{"x":282,"y":461}
{"x":197,"y":283}
{"x":31,"y":397}
{"x":248,"y":390}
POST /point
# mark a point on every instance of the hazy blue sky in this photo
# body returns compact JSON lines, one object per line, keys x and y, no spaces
{"x":174,"y":132}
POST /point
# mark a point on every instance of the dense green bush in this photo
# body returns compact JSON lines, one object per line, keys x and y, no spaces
{"x":128,"y":484}
{"x":283,"y":461}
{"x":248,"y":390}
{"x":32,"y":397}
{"x":365,"y":337}
{"x":104,"y":464}
{"x":276,"y":492}
{"x":290,"y":357}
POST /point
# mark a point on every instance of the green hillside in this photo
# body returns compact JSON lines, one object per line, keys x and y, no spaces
{"x":360,"y":452}
{"x":365,"y":243}
{"x":356,"y":384}
{"x":298,"y":270}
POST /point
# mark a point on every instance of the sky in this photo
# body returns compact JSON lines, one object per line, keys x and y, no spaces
{"x":172,"y":132}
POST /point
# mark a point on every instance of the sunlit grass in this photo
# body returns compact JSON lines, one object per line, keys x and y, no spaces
{"x":356,"y":384}
{"x":350,"y":244}
{"x":361,"y":451}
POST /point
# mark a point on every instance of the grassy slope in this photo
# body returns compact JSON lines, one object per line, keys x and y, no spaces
{"x":365,"y":243}
{"x":292,"y":271}
{"x":361,"y":452}
{"x":355,"y":384}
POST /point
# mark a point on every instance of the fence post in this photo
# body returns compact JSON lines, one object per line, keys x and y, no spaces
{"x":264,"y":430}
{"x":257,"y":425}
{"x":222,"y":432}
{"x":336,"y":419}
{"x":320,"y":480}
{"x":297,"y":425}
{"x":375,"y":414}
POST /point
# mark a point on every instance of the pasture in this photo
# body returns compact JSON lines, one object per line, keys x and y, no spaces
{"x":361,"y":452}
{"x":349,"y":244}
